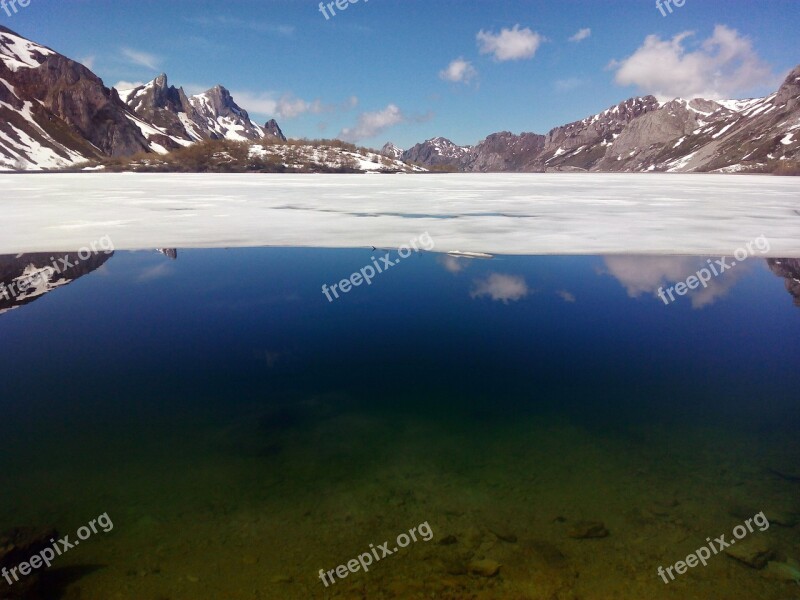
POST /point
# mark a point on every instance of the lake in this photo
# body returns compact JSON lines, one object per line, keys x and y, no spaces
{"x":558,"y":428}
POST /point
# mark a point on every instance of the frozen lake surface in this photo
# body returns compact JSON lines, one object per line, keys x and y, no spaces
{"x":491,"y":213}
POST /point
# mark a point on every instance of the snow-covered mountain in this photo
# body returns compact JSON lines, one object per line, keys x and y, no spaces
{"x":643,"y":134}
{"x":436,"y":152}
{"x":172,"y":119}
{"x":392,"y":151}
{"x":55,"y":113}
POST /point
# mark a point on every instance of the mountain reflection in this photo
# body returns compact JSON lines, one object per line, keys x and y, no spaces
{"x":789,"y":269}
{"x":25,"y":278}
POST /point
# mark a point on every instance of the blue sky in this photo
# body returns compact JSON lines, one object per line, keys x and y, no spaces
{"x":410,"y":70}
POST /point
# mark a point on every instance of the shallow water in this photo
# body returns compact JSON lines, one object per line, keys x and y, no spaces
{"x":243,"y":433}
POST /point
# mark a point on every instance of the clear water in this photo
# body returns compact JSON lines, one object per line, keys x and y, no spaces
{"x":243,"y":433}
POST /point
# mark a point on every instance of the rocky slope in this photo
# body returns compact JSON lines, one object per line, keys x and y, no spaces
{"x":263,"y":156}
{"x":55,"y":113}
{"x":171,"y":119}
{"x":436,"y":152}
{"x":643,"y":134}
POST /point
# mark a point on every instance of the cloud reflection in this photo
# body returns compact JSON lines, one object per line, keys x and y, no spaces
{"x":645,"y":274}
{"x":498,"y":286}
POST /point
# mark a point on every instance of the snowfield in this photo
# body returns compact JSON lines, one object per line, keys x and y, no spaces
{"x":491,"y":213}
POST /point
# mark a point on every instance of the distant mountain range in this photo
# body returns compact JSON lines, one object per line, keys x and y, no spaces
{"x":56,"y":114}
{"x":642,"y":134}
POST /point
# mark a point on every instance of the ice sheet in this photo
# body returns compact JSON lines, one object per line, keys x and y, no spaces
{"x":493,"y":213}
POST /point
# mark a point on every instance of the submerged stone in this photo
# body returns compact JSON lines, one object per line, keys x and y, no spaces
{"x":584,"y":530}
{"x":485,"y":568}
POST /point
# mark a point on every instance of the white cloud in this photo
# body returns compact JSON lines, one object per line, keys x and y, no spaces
{"x":263,"y":103}
{"x":370,"y":124}
{"x":156,"y":272}
{"x":88,"y":62}
{"x":566,"y":85}
{"x":509,"y":44}
{"x":459,"y":71}
{"x":566,"y":296}
{"x":722,"y":66}
{"x":453,"y":264}
{"x":285,"y":106}
{"x":143,"y":59}
{"x":581,"y":35}
{"x":500,"y":287}
{"x":127,"y":85}
{"x":289,"y":107}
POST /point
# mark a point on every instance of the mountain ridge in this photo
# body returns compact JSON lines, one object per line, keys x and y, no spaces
{"x":641,"y":134}
{"x":57,"y":114}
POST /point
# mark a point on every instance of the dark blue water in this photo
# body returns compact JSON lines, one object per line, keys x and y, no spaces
{"x":244,"y":432}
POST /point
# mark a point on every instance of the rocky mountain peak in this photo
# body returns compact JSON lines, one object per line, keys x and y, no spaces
{"x":392,"y":151}
{"x":789,"y":93}
{"x":272,"y":128}
{"x":221,"y":102}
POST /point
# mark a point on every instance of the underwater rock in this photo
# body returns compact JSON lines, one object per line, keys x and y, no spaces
{"x":775,"y":515}
{"x":663,"y":508}
{"x":754,"y":552}
{"x":782,"y":518}
{"x":504,"y":535}
{"x":547,"y":553}
{"x":485,"y":567}
{"x":783,"y":571}
{"x":453,"y":566}
{"x":18,"y":545}
{"x":448,"y":540}
{"x":789,"y":473}
{"x":585,"y":530}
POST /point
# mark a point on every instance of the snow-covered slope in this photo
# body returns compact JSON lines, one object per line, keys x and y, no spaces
{"x":186,"y":119}
{"x":55,"y":113}
{"x":266,"y":156}
{"x":24,"y":143}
